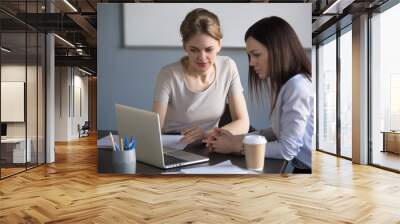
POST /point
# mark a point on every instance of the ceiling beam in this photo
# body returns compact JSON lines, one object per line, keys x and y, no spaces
{"x":86,"y":27}
{"x":83,"y":61}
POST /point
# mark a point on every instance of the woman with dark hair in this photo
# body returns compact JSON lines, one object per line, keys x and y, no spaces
{"x":280,"y":70}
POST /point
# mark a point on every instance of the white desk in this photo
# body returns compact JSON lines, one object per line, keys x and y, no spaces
{"x":18,"y":149}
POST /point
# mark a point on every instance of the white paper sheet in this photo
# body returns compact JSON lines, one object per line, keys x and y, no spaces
{"x":105,"y":142}
{"x":172,"y":141}
{"x":225,"y":167}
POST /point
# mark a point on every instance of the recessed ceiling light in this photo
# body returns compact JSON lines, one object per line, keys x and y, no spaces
{"x":5,"y":50}
{"x":65,"y":41}
{"x":70,"y":5}
{"x":337,"y":7}
{"x":84,"y":71}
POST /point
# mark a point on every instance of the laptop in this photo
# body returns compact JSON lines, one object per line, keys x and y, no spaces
{"x":145,"y":127}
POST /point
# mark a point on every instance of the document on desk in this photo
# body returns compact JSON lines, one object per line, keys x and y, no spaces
{"x":170,"y":141}
{"x":105,"y":142}
{"x":173,"y":141}
{"x":225,"y":167}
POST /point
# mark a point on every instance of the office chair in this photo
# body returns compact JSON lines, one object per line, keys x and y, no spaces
{"x":84,"y":130}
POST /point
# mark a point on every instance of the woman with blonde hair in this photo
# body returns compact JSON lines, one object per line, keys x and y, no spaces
{"x":190,"y":95}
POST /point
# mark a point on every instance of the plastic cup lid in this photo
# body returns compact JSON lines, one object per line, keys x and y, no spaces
{"x":254,"y":140}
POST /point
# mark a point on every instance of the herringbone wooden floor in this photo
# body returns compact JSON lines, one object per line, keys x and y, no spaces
{"x":71,"y":191}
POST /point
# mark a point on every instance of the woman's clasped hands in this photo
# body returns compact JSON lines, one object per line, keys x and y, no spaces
{"x":222,"y":141}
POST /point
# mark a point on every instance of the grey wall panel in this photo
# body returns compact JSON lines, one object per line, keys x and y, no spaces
{"x":127,"y":75}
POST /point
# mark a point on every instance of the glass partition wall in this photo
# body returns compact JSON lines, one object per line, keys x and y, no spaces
{"x":385,"y":89}
{"x":327,"y":95}
{"x":334,"y":110}
{"x":22,"y":79}
{"x":13,"y":89}
{"x":334,"y":96}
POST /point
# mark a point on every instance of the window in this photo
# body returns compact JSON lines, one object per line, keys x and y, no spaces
{"x":327,"y":96}
{"x":385,"y":87}
{"x":346,"y":75}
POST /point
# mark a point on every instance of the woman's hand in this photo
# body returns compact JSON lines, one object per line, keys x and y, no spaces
{"x":192,"y":134}
{"x":222,"y":141}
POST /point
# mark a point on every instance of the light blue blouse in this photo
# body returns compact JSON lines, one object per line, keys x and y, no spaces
{"x":290,"y":136}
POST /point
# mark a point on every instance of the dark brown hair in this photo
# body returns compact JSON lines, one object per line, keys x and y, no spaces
{"x":200,"y":21}
{"x":286,"y":56}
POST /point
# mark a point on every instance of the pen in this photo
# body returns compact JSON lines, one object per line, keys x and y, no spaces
{"x":126,"y":143}
{"x":130,"y":143}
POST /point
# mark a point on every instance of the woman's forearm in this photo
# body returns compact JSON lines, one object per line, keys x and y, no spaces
{"x":238,"y":127}
{"x":161,"y":109}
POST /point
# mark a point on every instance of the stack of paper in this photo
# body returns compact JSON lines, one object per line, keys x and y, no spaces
{"x":225,"y":167}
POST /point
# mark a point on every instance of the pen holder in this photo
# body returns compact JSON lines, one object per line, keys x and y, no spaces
{"x":110,"y":161}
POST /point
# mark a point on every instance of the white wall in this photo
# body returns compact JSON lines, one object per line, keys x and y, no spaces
{"x":67,"y":115}
{"x":81,"y":84}
{"x":13,"y":72}
{"x":61,"y":103}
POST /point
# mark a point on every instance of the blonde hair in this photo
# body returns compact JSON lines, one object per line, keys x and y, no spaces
{"x":200,"y":21}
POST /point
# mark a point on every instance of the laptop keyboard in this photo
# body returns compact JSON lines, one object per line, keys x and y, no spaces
{"x":172,"y":160}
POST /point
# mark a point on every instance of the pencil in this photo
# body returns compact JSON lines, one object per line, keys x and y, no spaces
{"x":121,"y":143}
{"x":112,"y":141}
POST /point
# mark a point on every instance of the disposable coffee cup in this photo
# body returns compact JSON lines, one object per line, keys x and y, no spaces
{"x":254,"y":147}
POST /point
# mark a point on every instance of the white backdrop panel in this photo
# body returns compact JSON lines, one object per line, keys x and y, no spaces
{"x":12,"y":101}
{"x":157,"y":25}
